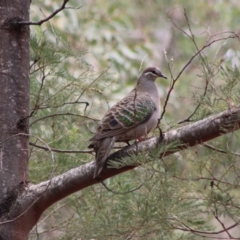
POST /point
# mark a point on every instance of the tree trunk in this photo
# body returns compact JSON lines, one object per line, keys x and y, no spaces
{"x":14,"y":112}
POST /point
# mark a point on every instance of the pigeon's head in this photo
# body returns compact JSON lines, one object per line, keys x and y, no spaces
{"x":152,"y":73}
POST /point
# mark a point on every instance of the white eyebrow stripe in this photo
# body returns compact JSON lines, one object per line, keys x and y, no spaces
{"x":150,"y":73}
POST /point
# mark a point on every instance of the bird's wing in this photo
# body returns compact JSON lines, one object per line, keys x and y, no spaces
{"x":126,"y":114}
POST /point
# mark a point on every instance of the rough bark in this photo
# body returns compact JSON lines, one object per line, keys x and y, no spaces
{"x":35,"y":199}
{"x":14,"y":109}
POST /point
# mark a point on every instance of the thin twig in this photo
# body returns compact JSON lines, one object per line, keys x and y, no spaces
{"x":47,"y":18}
{"x":189,"y":229}
{"x":33,"y":63}
{"x":89,"y":85}
{"x":234,"y":35}
{"x":215,"y":214}
{"x":63,"y":114}
{"x":188,"y":119}
{"x":59,"y":150}
{"x":130,"y":191}
{"x":219,"y":150}
{"x":62,"y":104}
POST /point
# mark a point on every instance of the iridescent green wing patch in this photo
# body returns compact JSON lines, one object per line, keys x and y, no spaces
{"x":126,"y":114}
{"x":136,"y":112}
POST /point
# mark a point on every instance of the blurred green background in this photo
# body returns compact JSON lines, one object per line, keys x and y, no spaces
{"x":87,"y":58}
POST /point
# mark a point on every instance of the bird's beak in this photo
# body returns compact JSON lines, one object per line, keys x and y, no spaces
{"x":162,"y":76}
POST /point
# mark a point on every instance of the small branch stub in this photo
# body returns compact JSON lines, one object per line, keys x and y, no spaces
{"x":13,"y":23}
{"x":22,"y":125}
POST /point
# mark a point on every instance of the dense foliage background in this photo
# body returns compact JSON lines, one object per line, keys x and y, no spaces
{"x":87,"y":58}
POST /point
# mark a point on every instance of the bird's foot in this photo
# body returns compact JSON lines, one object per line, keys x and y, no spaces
{"x":161,"y":136}
{"x":140,"y":139}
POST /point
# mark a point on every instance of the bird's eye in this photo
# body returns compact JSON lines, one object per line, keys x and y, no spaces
{"x":153,"y":71}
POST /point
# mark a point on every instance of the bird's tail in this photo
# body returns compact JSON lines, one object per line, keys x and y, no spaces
{"x":102,"y":148}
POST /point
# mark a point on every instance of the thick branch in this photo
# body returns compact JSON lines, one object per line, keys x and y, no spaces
{"x":37,"y":198}
{"x":49,"y":192}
